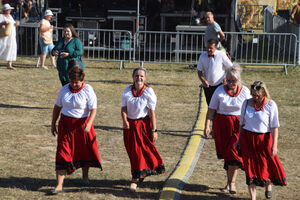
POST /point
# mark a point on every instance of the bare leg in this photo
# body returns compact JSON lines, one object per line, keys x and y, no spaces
{"x":231,"y":177}
{"x":85,"y":174}
{"x":268,"y":192}
{"x":60,"y":176}
{"x":9,"y":65}
{"x":52,"y":60}
{"x":133,"y":184}
{"x":43,"y":59}
{"x":252,"y":191}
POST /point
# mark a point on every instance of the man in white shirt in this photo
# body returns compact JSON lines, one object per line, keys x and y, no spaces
{"x":211,"y":68}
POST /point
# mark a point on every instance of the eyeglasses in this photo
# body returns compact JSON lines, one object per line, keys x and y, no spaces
{"x":231,"y":81}
{"x":256,"y":87}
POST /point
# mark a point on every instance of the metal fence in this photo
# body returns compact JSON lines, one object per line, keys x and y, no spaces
{"x":103,"y":45}
{"x":170,"y":47}
{"x":278,"y":24}
{"x":263,"y":48}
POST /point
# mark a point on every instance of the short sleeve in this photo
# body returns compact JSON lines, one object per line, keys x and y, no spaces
{"x":243,"y":110}
{"x":274,"y":120}
{"x":124,"y":98}
{"x":152,"y":99}
{"x":217,"y":27}
{"x":199,"y":65}
{"x":43,"y":21}
{"x":92,"y":98}
{"x":226,"y":61}
{"x":214,"y":102}
{"x":59,"y":98}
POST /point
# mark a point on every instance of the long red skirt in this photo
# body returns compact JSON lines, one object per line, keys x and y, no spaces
{"x":226,"y":133}
{"x":76,"y":149}
{"x":260,"y":167}
{"x":144,"y":157}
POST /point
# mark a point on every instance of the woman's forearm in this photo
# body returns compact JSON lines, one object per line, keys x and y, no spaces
{"x":153,"y":119}
{"x":92,"y":116}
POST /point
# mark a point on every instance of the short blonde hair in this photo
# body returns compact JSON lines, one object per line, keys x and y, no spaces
{"x":260,"y":87}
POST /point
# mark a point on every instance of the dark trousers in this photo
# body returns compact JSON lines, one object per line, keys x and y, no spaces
{"x":208,"y":92}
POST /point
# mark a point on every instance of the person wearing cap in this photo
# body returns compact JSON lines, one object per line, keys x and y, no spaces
{"x":8,"y":44}
{"x":45,"y":40}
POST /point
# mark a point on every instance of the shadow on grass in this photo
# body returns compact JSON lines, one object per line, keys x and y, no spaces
{"x":19,"y":65}
{"x":18,"y":106}
{"x":205,"y":189}
{"x":164,"y":132}
{"x":118,"y":188}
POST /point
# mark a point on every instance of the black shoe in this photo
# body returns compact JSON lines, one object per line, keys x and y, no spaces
{"x":54,"y":192}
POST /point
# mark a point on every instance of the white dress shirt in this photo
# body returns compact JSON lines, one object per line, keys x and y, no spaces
{"x":213,"y":68}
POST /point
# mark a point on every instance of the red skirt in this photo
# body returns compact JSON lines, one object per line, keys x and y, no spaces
{"x":226,"y":133}
{"x":76,"y":149}
{"x":144,"y":157}
{"x":260,"y":167}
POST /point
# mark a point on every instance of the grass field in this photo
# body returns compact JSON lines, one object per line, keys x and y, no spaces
{"x":27,"y":148}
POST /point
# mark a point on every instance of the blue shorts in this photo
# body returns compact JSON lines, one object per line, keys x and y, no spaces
{"x":45,"y":48}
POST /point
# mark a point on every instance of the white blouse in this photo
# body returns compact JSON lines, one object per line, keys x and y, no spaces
{"x":260,"y":121}
{"x":77,"y":105}
{"x":138,"y":107}
{"x":225,"y":104}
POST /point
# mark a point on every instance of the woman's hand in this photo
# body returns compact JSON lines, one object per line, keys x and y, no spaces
{"x":17,"y":23}
{"x":154,"y":136}
{"x":53,"y":129}
{"x":274,"y":151}
{"x":125,"y":124}
{"x":55,"y":52}
{"x":87,"y":127}
{"x":206,"y":132}
{"x":64,"y":54}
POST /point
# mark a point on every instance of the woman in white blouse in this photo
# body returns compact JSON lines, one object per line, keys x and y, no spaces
{"x":226,"y":105}
{"x":76,"y":140}
{"x":139,"y":128}
{"x":258,"y":141}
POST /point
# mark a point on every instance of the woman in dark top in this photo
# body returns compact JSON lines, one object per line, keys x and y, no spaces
{"x":67,"y":49}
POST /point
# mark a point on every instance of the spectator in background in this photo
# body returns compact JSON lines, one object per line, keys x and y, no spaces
{"x":213,"y":30}
{"x":295,"y":15}
{"x":67,"y":49}
{"x":46,"y":41}
{"x":211,"y":68}
{"x":30,"y":12}
{"x":8,"y":44}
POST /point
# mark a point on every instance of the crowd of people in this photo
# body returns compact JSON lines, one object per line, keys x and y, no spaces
{"x":244,"y":122}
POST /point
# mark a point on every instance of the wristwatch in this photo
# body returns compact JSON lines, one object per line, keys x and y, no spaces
{"x":154,"y":130}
